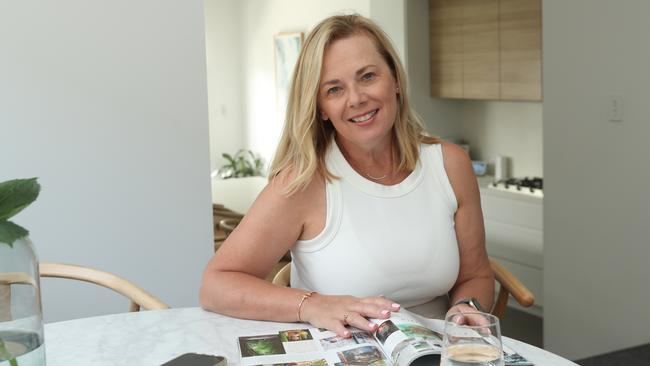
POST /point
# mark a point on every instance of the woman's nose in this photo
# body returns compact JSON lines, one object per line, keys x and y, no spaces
{"x":356,"y":97}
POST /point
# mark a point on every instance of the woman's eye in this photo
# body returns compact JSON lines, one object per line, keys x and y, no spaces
{"x":333,"y":90}
{"x":368,"y":76}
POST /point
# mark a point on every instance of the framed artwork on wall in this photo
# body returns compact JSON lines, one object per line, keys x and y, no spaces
{"x":287,"y":47}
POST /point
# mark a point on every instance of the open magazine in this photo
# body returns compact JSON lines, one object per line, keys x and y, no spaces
{"x":401,"y":340}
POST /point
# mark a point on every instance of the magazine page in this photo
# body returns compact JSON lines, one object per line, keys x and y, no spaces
{"x":404,"y":339}
{"x":311,"y":347}
{"x":512,"y":358}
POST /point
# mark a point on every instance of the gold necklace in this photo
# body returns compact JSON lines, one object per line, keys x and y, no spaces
{"x":377,"y":178}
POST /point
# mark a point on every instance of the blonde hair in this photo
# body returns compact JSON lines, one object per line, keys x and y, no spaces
{"x":306,"y":137}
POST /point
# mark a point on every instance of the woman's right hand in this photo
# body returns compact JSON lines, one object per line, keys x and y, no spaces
{"x":334,"y":313}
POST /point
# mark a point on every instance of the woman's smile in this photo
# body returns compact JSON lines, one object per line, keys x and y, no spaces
{"x":365,"y":119}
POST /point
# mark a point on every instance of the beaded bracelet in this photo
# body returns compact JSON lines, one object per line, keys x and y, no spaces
{"x":305,"y":296}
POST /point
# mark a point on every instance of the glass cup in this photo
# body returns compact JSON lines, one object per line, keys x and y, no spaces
{"x":472,"y":339}
{"x":21,"y":323}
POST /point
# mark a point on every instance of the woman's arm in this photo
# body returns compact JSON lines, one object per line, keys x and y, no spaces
{"x":233,"y":281}
{"x":475,"y":278}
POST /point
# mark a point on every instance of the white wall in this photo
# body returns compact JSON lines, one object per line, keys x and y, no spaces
{"x":597,"y":205}
{"x":223,"y":42}
{"x":440,"y":116}
{"x":390,"y":15}
{"x":512,"y":129}
{"x":105,"y":102}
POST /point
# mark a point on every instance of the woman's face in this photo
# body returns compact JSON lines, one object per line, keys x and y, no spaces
{"x":358,"y":92}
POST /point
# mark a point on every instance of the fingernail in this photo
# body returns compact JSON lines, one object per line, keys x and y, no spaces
{"x":372,"y":325}
{"x":384,"y":312}
{"x":395,"y":305}
{"x":346,"y":334}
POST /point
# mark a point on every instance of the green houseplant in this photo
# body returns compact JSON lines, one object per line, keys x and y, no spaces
{"x":15,"y":195}
{"x":21,"y":321}
{"x":242,"y":164}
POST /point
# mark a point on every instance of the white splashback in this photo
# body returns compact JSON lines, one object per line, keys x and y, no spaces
{"x":510,"y":129}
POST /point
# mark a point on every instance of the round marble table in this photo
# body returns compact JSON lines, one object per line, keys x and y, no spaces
{"x":154,"y":337}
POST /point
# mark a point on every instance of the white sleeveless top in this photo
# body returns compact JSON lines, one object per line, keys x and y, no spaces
{"x":398,"y":241}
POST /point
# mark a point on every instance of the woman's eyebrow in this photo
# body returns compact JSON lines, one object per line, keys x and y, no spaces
{"x":333,"y":82}
{"x":359,"y":72}
{"x":364,"y":69}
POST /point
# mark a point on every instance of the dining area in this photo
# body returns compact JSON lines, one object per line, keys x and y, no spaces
{"x":152,"y":333}
{"x":120,"y":128}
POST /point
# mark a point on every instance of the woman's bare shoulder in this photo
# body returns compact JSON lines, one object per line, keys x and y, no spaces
{"x":280,"y":184}
{"x":459,"y":170}
{"x":275,"y":193}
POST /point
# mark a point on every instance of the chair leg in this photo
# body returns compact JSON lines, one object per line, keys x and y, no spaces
{"x":500,"y":305}
{"x":5,"y":302}
{"x":134,"y":307}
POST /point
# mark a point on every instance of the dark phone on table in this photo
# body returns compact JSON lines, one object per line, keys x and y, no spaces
{"x":196,"y":359}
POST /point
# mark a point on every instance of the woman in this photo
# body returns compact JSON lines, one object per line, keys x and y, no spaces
{"x":377,"y":215}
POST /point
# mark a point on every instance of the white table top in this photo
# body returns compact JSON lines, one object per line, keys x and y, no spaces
{"x":155,"y":337}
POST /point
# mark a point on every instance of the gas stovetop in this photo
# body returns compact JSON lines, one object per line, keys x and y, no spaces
{"x":527,"y":186}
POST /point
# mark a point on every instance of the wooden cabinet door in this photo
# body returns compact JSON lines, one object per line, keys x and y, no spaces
{"x":486,"y":49}
{"x":521,"y":49}
{"x":480,"y":49}
{"x":446,"y":48}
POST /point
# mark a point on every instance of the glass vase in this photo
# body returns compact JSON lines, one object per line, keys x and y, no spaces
{"x":21,"y":320}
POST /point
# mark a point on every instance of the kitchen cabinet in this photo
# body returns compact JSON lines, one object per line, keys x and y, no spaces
{"x":485,"y":49}
{"x":520,"y":27}
{"x":514,"y":237}
{"x":446,"y":48}
{"x":480,"y":37}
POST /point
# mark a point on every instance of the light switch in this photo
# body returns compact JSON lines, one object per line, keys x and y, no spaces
{"x":615,"y":107}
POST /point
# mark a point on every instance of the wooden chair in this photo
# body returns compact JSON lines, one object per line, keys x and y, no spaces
{"x":508,"y":285}
{"x":219,"y":214}
{"x":139,"y":297}
{"x":228,"y":225}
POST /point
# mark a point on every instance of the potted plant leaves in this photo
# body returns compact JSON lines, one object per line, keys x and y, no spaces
{"x":242,"y":164}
